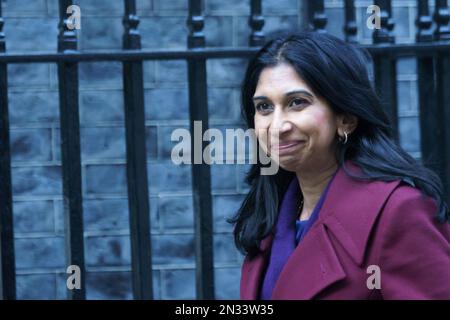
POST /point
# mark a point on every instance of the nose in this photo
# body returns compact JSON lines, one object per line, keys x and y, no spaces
{"x":280,"y":124}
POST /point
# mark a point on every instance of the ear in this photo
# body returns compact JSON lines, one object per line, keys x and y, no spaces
{"x":346,"y":123}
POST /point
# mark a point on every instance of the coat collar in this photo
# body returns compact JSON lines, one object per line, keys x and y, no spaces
{"x":349,"y":213}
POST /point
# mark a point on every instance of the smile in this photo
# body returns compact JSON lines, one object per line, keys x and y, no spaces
{"x":287,"y":147}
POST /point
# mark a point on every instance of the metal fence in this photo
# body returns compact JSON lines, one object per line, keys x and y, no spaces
{"x":432,"y":50}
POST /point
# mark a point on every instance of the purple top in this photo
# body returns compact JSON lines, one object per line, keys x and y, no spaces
{"x":289,"y":231}
{"x":300,"y":229}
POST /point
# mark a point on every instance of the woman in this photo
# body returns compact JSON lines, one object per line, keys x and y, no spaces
{"x":349,"y":215}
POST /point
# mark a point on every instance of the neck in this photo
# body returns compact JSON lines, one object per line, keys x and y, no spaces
{"x":312,"y":185}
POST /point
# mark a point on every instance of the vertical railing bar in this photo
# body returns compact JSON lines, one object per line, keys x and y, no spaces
{"x":137,"y":179}
{"x":385,"y":66}
{"x":443,"y":85}
{"x":201,"y":174}
{"x":256,"y":23}
{"x":442,"y":64}
{"x":7,"y":257}
{"x":70,"y":151}
{"x":430,"y":112}
{"x":350,"y":28}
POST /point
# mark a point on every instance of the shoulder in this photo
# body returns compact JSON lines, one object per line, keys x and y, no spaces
{"x":413,"y":248}
{"x":406,"y":208}
{"x":408,"y":223}
{"x":411,"y":216}
{"x":365,"y":214}
{"x":390,"y":202}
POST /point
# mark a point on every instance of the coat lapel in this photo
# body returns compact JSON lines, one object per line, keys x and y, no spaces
{"x":253,"y":271}
{"x":351,"y":209}
{"x":312,"y":267}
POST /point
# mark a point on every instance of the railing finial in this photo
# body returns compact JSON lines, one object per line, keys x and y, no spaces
{"x":67,"y":38}
{"x":317,"y":15}
{"x":256,"y":23}
{"x":442,"y":18}
{"x":196,"y":22}
{"x":2,"y":34}
{"x":131,"y":37}
{"x":423,"y":22}
{"x":350,"y":28}
{"x":385,"y":33}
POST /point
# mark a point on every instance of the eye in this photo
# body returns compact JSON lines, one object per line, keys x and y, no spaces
{"x":263,"y":107}
{"x":298,"y":102}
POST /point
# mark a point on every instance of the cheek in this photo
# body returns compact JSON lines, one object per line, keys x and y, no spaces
{"x":261,"y":123}
{"x":261,"y":131}
{"x":321,"y":126}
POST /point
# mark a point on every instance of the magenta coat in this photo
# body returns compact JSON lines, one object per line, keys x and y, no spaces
{"x":387,"y":224}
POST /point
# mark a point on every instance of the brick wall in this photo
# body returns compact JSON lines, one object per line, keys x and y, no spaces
{"x":37,"y":188}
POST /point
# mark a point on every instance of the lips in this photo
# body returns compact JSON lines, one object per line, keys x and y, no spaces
{"x":287,"y":146}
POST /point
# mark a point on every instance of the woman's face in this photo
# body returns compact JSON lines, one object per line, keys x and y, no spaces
{"x":286,"y":108}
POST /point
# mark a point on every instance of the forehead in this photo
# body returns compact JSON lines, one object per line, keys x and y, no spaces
{"x":279,"y":79}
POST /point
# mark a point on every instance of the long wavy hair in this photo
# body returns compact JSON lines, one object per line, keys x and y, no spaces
{"x":336,"y":71}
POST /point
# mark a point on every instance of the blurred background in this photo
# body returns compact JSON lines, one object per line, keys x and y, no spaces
{"x":40,"y":248}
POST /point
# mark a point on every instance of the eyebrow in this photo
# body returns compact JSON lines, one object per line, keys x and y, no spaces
{"x":287,"y":94}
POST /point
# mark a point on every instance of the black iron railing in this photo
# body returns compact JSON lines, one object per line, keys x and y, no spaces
{"x":432,"y":50}
{"x":70,"y":150}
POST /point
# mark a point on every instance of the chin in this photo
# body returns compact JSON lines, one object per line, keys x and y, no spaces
{"x":292,"y":165}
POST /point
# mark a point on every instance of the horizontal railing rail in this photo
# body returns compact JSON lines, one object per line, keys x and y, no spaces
{"x":394,"y":50}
